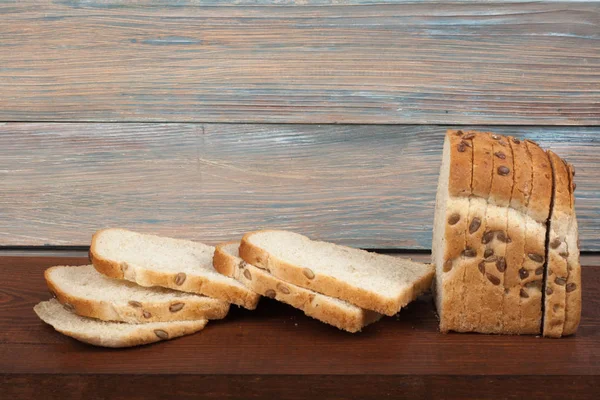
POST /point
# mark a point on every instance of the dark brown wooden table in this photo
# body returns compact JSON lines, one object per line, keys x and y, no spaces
{"x":277,"y":352}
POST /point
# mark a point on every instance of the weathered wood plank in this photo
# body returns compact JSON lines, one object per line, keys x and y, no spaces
{"x":366,"y":186}
{"x":520,"y":63}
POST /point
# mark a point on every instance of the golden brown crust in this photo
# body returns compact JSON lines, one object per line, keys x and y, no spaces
{"x":326,"y":284}
{"x":192,"y":283}
{"x":140,"y":312}
{"x":320,"y":307}
{"x":502,"y":173}
{"x":223,"y":262}
{"x":106,"y":267}
{"x":522,"y":175}
{"x":483,"y":164}
{"x":461,"y":153}
{"x":541,"y":190}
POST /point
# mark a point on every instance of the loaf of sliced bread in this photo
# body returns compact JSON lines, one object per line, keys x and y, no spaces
{"x":500,"y":225}
{"x":332,"y":311}
{"x":90,"y":294}
{"x":368,"y":280}
{"x":150,"y":260}
{"x":111,"y":334}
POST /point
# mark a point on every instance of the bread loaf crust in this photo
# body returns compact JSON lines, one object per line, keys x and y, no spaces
{"x":314,"y":305}
{"x":192,"y":283}
{"x":461,"y":163}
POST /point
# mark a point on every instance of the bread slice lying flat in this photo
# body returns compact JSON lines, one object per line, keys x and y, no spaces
{"x":91,"y":294}
{"x":372,"y":281}
{"x":111,"y":334}
{"x":338,"y":313}
{"x":150,"y":260}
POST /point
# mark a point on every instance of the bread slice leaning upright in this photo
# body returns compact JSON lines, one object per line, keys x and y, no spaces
{"x":90,"y":294}
{"x":368,"y":280}
{"x":450,"y":229}
{"x":562,"y":297}
{"x":150,"y":260}
{"x":338,"y":313}
{"x":111,"y":334}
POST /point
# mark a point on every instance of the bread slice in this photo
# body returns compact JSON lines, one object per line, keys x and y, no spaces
{"x":332,"y":311}
{"x":517,"y":222}
{"x":557,"y":274}
{"x":372,"y":281}
{"x":573,"y":287}
{"x":450,"y":226}
{"x":492,"y":162}
{"x":474,"y":278}
{"x":493,"y":293}
{"x":150,"y":260}
{"x":111,"y":334}
{"x":90,"y":294}
{"x":534,"y":256}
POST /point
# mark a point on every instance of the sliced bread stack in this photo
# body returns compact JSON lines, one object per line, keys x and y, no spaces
{"x":342,"y":286}
{"x":505,"y":238}
{"x":132,"y":300}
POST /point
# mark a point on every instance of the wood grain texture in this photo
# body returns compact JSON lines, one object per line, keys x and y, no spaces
{"x":364,"y":186}
{"x":276,"y":349}
{"x":532,"y":63}
{"x":339,"y":387}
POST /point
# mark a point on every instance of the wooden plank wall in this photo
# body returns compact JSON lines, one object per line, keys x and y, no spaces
{"x":200,"y":122}
{"x":363,"y":185}
{"x":407,"y":63}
